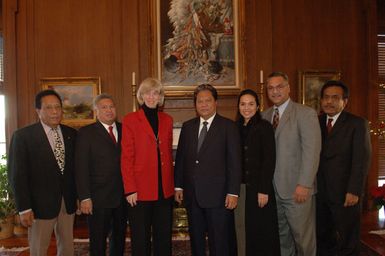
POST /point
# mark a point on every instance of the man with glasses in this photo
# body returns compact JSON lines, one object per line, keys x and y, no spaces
{"x":341,"y":176}
{"x":298,"y":145}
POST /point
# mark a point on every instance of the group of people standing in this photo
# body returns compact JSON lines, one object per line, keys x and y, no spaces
{"x":249,"y":186}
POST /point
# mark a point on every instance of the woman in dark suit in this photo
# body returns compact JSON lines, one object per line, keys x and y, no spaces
{"x":148,"y":173}
{"x":258,"y":147}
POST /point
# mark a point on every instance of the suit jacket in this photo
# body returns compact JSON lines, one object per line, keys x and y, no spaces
{"x":259,"y":157}
{"x":213,"y":172}
{"x":298,"y":147}
{"x":140,"y":156}
{"x":97,"y":166}
{"x":345,"y":157}
{"x":35,"y":176}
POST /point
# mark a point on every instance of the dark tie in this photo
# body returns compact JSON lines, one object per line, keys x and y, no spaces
{"x":110,"y":129}
{"x":202,"y":135}
{"x":329,"y":126}
{"x":58,"y":150}
{"x":275,"y":118}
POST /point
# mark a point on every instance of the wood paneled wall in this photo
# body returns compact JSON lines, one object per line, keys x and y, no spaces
{"x":111,"y":39}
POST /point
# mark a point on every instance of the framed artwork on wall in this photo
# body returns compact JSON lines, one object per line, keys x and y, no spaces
{"x":310,"y":83}
{"x":197,"y":42}
{"x":77,"y":94}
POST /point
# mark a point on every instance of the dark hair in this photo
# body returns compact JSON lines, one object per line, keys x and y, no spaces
{"x":340,"y":84}
{"x":257,"y":115}
{"x":279,"y":74}
{"x":205,"y":87}
{"x":44,"y":93}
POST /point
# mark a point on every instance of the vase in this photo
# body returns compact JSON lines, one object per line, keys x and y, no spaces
{"x":6,"y":227}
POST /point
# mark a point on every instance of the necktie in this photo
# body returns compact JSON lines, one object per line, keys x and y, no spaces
{"x":275,"y":118}
{"x":329,"y":126}
{"x":202,"y":135}
{"x":110,"y":129}
{"x":58,"y":150}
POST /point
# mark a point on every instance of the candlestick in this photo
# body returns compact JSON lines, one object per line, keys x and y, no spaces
{"x":133,"y":78}
{"x":261,"y":76}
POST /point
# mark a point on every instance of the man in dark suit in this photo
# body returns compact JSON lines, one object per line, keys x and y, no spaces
{"x":208,"y":174}
{"x":40,"y":171}
{"x":344,"y":164}
{"x":99,"y":180}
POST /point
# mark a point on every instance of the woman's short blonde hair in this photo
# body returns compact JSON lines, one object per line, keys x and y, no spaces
{"x":148,"y":85}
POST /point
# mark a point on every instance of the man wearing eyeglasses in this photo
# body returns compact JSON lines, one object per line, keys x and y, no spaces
{"x":344,"y":164}
{"x":298,"y":145}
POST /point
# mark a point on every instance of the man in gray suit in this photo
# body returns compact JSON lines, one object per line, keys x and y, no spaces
{"x":298,"y":145}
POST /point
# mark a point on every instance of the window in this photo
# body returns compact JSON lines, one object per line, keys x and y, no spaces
{"x":381,"y":104}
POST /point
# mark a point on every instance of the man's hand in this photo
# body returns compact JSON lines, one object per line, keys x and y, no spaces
{"x":27,"y":219}
{"x":231,"y":202}
{"x":178,"y":196}
{"x":301,"y":194}
{"x":86,"y":206}
{"x":262,"y":199}
{"x":131,"y":199}
{"x":350,"y":200}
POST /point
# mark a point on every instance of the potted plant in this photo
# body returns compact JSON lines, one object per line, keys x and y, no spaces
{"x":7,"y":203}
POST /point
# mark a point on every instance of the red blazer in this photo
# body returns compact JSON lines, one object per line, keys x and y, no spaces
{"x":139,"y":164}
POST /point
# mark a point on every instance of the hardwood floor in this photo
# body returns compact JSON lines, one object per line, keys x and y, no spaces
{"x":371,"y":244}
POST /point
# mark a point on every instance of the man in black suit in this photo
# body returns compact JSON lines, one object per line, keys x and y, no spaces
{"x":40,"y":171}
{"x":208,"y":175}
{"x":344,"y":163}
{"x":99,"y":180}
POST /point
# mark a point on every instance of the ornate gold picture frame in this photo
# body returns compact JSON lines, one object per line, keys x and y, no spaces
{"x":197,"y":42}
{"x":310,"y":83}
{"x":77,"y":94}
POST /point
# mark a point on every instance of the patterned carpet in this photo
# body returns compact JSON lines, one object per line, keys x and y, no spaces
{"x":180,"y":247}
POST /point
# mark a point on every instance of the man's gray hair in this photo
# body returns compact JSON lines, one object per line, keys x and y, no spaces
{"x":101,"y":97}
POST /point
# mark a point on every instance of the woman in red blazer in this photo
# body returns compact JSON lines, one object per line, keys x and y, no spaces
{"x":147,"y":171}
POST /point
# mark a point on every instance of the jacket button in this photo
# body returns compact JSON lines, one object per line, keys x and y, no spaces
{"x":246,"y":147}
{"x":196,"y":161}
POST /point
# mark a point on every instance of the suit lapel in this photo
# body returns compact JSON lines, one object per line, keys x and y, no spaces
{"x":338,"y":125}
{"x":322,"y":121}
{"x":119,"y":128}
{"x":269,"y":115}
{"x":210,"y":134}
{"x":42,"y":137}
{"x":284,"y":118}
{"x":145,"y":124}
{"x":104,"y":133}
{"x":193,"y":133}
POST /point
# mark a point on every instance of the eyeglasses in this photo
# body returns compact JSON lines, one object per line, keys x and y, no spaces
{"x":278,"y":87}
{"x":332,"y":97}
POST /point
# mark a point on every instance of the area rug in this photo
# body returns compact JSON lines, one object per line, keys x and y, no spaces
{"x":12,"y":251}
{"x":180,"y":247}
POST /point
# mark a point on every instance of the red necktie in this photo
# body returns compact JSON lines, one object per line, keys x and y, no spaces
{"x":329,"y":126}
{"x":110,"y":128}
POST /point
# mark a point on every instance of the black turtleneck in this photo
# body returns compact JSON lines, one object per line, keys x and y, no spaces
{"x":152,"y":117}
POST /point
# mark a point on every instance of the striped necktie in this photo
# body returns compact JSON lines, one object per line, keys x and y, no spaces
{"x":276,"y":118}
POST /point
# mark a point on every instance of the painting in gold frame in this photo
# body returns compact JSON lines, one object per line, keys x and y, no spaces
{"x":197,"y":42}
{"x":77,"y":94}
{"x":310,"y":83}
